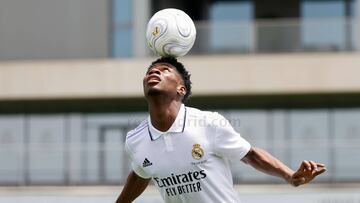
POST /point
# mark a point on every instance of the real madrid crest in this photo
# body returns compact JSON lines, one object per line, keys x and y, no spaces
{"x":197,"y":152}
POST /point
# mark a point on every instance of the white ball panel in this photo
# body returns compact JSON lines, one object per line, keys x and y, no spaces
{"x":171,"y":32}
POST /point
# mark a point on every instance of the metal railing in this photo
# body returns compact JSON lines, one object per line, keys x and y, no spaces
{"x":274,"y":36}
{"x":262,"y":36}
{"x":89,"y":149}
{"x":108,"y":165}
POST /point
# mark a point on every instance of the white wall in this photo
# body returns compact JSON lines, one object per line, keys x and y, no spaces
{"x":43,"y":29}
{"x":211,"y":75}
{"x":357,"y":25}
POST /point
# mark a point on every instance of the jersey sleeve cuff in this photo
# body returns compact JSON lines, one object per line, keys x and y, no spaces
{"x":246,"y":150}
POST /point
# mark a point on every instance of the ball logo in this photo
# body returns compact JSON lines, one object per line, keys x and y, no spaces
{"x":156,"y":31}
{"x":197,"y":152}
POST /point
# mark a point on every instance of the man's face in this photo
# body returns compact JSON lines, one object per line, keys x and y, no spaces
{"x":163,"y":78}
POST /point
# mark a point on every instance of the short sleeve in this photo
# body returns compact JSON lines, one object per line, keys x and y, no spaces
{"x":135,"y":167}
{"x":227,"y":142}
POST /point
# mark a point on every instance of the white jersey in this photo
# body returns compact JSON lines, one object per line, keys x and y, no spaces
{"x":189,"y":162}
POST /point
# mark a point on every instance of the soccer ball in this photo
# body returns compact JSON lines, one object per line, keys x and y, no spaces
{"x":170,"y":32}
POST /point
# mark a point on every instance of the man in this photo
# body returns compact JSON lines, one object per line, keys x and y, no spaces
{"x":186,"y":152}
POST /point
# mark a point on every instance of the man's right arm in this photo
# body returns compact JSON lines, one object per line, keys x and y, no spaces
{"x":134,"y":186}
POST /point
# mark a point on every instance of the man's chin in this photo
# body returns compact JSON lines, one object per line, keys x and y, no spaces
{"x":153,"y":92}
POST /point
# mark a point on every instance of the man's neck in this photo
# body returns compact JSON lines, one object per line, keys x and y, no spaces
{"x":163,"y":113}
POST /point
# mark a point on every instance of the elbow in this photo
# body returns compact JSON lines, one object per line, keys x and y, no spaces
{"x":255,"y":156}
{"x":247,"y":159}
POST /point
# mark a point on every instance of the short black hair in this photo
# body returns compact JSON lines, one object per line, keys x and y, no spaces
{"x":185,"y":75}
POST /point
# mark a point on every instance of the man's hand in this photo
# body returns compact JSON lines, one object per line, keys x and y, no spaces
{"x":307,"y":171}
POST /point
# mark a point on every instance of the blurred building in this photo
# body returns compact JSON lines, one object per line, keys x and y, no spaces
{"x":285,"y":73}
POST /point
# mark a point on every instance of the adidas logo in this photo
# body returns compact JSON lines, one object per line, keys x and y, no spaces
{"x":146,"y":163}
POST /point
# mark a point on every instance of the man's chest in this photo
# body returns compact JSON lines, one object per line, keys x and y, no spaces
{"x":174,"y":154}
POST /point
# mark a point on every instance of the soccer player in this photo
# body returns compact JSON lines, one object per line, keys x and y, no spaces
{"x":186,"y":151}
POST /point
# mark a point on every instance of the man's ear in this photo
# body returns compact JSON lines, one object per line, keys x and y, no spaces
{"x":181,"y":90}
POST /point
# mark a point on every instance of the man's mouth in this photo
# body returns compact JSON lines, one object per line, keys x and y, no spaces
{"x":153,"y":80}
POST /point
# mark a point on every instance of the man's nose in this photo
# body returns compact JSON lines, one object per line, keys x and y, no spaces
{"x":154,"y":71}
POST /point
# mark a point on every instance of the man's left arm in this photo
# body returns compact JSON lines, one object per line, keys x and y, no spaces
{"x":265,"y":162}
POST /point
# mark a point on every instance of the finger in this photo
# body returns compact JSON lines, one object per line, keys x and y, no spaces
{"x":320,"y":171}
{"x":320,"y":165}
{"x":313,"y":165}
{"x":306,"y":165}
{"x":302,"y":167}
